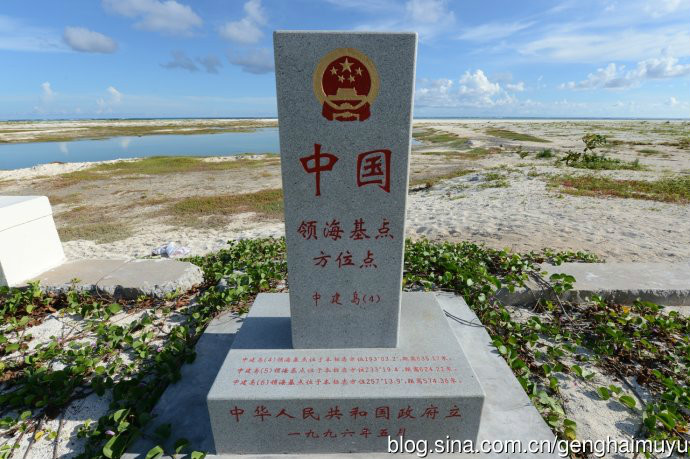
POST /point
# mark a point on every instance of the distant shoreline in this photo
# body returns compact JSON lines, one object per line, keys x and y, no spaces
{"x":420,"y":118}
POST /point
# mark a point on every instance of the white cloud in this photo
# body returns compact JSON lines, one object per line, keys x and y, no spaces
{"x":517,"y":87}
{"x":611,"y":77}
{"x":105,"y":105}
{"x":493,"y":31}
{"x":47,"y":93}
{"x":180,"y":60}
{"x":257,"y":61}
{"x":429,"y":18}
{"x":210,"y":63}
{"x":672,"y":101}
{"x":115,"y":95}
{"x":369,"y":6}
{"x":88,"y":41}
{"x":473,"y":89}
{"x":615,"y":77}
{"x":168,"y":16}
{"x":17,"y":35}
{"x":664,"y":67}
{"x":428,"y":11}
{"x":248,"y":29}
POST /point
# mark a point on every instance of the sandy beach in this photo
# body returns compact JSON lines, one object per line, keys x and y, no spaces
{"x":491,"y":182}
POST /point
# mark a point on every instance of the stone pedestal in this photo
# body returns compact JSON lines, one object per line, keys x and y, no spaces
{"x":271,"y":398}
{"x":29,"y":242}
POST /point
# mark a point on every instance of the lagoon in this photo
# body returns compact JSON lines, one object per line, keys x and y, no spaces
{"x":19,"y":155}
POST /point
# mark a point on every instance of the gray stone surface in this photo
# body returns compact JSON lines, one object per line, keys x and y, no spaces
{"x":507,"y":413}
{"x":336,"y":303}
{"x":123,"y":278}
{"x":265,"y":391}
{"x":662,"y":283}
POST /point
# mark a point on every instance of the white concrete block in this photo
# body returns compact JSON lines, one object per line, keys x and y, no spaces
{"x":29,"y":242}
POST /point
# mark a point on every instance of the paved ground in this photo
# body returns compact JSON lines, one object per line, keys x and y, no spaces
{"x":124,"y":278}
{"x":667,"y":284}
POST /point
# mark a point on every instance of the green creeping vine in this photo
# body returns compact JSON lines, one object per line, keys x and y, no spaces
{"x":132,"y":361}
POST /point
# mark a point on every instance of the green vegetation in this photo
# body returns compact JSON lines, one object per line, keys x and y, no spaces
{"x":512,"y":135}
{"x":159,"y":165}
{"x":440,"y":137}
{"x":588,"y":159}
{"x":102,"y":233}
{"x":547,"y":153}
{"x":191,"y":211}
{"x":494,"y":180}
{"x":675,"y":190}
{"x":557,"y":341}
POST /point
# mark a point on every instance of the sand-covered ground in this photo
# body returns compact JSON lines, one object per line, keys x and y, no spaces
{"x":501,"y":183}
{"x":490,"y":184}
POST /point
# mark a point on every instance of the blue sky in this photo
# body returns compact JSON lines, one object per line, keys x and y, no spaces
{"x":178,"y":58}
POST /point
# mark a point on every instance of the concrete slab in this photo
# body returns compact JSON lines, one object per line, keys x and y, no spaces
{"x":271,"y":398}
{"x":663,"y":283}
{"x":154,"y":277}
{"x":123,"y":278}
{"x":87,"y":272}
{"x":29,"y":242}
{"x":507,"y":413}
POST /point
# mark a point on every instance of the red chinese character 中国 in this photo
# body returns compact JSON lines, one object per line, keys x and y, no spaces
{"x":318,"y":166}
{"x":373,"y":168}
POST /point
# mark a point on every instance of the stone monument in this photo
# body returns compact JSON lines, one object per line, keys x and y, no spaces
{"x":347,"y":360}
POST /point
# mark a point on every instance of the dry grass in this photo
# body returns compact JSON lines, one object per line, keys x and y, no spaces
{"x":511,"y":135}
{"x":93,"y":224}
{"x":159,"y":165}
{"x":193,"y":210}
{"x":431,"y":180}
{"x":441,"y":137}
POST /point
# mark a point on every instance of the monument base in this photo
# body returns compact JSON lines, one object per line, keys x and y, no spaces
{"x":270,"y":398}
{"x":507,"y":414}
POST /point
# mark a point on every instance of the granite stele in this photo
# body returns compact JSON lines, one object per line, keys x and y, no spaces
{"x":351,"y":364}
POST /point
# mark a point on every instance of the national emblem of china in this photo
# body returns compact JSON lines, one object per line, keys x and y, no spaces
{"x":346,"y":83}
